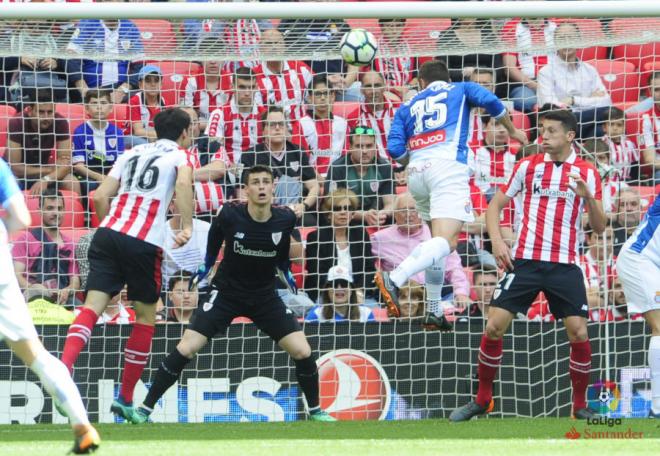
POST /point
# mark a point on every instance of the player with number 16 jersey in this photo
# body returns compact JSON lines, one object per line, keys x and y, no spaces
{"x":127,"y":249}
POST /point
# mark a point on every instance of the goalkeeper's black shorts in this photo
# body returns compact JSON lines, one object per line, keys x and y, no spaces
{"x":562,"y":284}
{"x":269,"y":314}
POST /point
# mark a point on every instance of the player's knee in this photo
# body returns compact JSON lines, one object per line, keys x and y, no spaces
{"x":578,"y":334}
{"x":302,"y":351}
{"x":494,"y":331}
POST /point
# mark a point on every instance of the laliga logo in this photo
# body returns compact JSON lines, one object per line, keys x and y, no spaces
{"x":603,"y":396}
{"x":353,"y":386}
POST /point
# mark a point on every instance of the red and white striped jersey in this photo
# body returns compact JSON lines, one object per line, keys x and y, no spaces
{"x":243,"y":36}
{"x":380,"y":121}
{"x":622,"y":156}
{"x":208,"y":194}
{"x":493,"y":168}
{"x":193,"y":93}
{"x":650,"y":136}
{"x":240,"y":132}
{"x":397,"y":71}
{"x":286,"y":89}
{"x":551,"y":210}
{"x":138,"y":111}
{"x":147,"y":175}
{"x":591,"y":270}
{"x":476,"y":131}
{"x":325,"y":139}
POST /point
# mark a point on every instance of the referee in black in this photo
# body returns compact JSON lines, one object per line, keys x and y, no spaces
{"x":257,"y":239}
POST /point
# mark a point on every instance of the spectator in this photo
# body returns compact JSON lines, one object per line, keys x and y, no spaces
{"x":484,"y":283}
{"x":592,"y":262}
{"x":485,"y":77}
{"x":598,"y":152}
{"x":465,"y":35}
{"x":523,"y":66}
{"x":97,"y":143}
{"x":323,"y":134}
{"x":209,"y":193}
{"x":296,"y":185}
{"x":568,"y":82}
{"x":393,"y":244}
{"x":649,"y":139}
{"x":143,"y":107}
{"x":368,"y":176}
{"x":80,"y":255}
{"x":36,"y":136}
{"x":43,"y":257}
{"x":411,"y":300}
{"x":627,"y":208}
{"x":189,"y":256}
{"x":338,"y":243}
{"x":376,"y":111}
{"x":236,"y":124}
{"x":624,"y":155}
{"x":339,"y":300}
{"x":495,"y":160}
{"x":209,"y":90}
{"x":25,"y":75}
{"x":182,"y":301}
{"x":281,"y":82}
{"x":94,"y":36}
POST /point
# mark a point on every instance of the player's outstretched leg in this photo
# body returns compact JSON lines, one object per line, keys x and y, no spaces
{"x":579,"y":365}
{"x":296,"y":345}
{"x":389,"y":292}
{"x":435,"y":318}
{"x":78,"y":335}
{"x":56,"y":379}
{"x":168,"y":373}
{"x":490,"y":357}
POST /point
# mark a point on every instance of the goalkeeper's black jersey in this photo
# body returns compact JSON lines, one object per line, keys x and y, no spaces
{"x":252,"y":251}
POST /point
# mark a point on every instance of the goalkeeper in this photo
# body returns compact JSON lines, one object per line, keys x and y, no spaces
{"x":257,"y":240}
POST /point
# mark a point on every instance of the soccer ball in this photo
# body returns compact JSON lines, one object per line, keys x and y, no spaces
{"x":358,"y":47}
{"x":604,"y":396}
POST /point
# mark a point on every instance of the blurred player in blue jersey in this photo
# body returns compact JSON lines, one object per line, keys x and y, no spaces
{"x":430,"y":134}
{"x":18,"y":331}
{"x":638,"y":266}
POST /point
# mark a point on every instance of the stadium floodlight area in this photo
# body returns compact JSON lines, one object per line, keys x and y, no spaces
{"x":381,"y":369}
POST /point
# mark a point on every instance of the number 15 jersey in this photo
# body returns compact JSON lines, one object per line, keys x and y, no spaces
{"x":436,"y":122}
{"x":147,"y":176}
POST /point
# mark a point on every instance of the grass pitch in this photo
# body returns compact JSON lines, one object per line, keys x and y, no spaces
{"x":510,"y":437}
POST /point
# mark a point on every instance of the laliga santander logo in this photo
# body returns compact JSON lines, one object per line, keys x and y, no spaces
{"x":353,"y":386}
{"x":603,"y":396}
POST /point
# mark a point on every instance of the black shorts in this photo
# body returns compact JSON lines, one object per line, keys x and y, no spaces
{"x":116,"y":259}
{"x":562,"y":284}
{"x":216,"y":313}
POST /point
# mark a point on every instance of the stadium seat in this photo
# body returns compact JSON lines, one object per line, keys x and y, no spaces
{"x":74,"y":212}
{"x":346,"y":109}
{"x":73,"y":113}
{"x":635,"y":53}
{"x":593,"y":29}
{"x":173,"y":74}
{"x":157,"y":35}
{"x":633,"y":126}
{"x":6,"y":112}
{"x":649,"y":67}
{"x":367,"y":24}
{"x":620,"y":79}
{"x":424,"y":32}
{"x":521,"y":122}
{"x":119,"y":114}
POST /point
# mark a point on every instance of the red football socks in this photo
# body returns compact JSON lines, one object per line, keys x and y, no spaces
{"x":580,"y":366}
{"x":79,"y":333}
{"x":136,"y":355}
{"x":490,"y":357}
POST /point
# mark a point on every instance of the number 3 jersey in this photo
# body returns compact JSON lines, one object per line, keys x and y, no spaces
{"x":253,"y":250}
{"x":147,"y":176}
{"x":435,"y":124}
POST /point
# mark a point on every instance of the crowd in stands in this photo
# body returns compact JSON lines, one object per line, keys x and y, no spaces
{"x":322,"y":126}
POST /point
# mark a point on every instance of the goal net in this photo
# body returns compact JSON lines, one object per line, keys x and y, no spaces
{"x":77,"y":91}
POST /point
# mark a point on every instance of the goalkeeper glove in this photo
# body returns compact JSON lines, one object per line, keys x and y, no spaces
{"x":287,"y":278}
{"x":198,"y":276}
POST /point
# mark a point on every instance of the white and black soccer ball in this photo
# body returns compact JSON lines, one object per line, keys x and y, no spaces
{"x":358,"y":47}
{"x":604,"y":396}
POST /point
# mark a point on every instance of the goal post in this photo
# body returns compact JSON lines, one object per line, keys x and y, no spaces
{"x":381,"y":368}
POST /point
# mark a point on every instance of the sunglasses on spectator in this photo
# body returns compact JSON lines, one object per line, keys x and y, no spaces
{"x":340,"y":284}
{"x":364,"y":131}
{"x":345,"y":208}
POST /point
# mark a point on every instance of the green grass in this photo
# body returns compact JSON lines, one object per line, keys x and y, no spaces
{"x":509,"y":437}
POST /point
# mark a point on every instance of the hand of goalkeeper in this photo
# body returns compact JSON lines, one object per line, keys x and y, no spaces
{"x":287,"y":278}
{"x":198,"y":276}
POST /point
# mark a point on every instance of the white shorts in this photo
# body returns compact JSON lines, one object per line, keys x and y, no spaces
{"x":15,"y":321}
{"x":441,"y":189}
{"x":640,"y":278}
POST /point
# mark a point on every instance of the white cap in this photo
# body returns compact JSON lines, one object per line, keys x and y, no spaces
{"x":339,"y":273}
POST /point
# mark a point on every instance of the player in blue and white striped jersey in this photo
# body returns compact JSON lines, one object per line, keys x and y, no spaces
{"x":430,"y":133}
{"x":16,"y":325}
{"x":638,"y":267}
